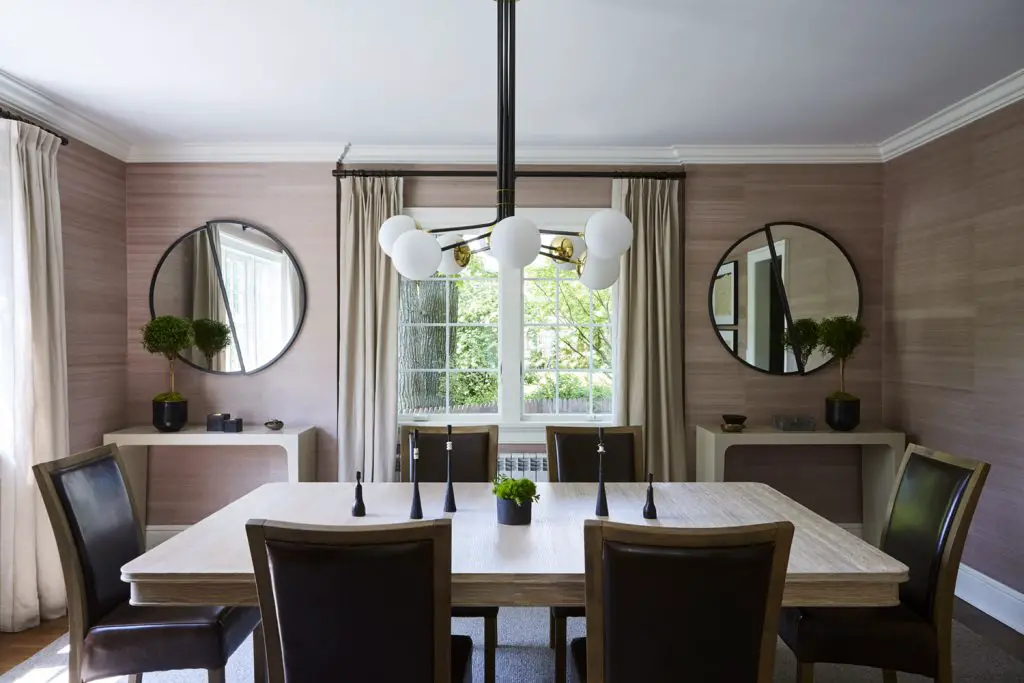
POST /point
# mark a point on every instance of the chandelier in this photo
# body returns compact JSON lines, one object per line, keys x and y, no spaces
{"x":513,"y":241}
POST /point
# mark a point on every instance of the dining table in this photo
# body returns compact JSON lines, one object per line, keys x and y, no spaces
{"x":537,"y":564}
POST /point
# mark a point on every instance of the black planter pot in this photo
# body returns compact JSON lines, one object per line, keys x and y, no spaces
{"x":512,"y":514}
{"x":842,"y":415}
{"x":170,"y":416}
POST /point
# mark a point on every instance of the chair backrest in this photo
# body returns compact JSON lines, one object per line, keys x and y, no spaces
{"x":362,"y":603}
{"x":92,"y":511}
{"x":474,"y":453}
{"x":930,"y":512}
{"x":668,"y":604}
{"x":572,"y":454}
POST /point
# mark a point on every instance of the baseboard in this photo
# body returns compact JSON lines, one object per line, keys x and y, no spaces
{"x":995,"y":599}
{"x":158,"y":533}
{"x":857,"y":529}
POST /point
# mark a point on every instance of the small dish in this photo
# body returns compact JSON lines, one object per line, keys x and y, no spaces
{"x":733,"y":428}
{"x":734,"y":419}
{"x":273,"y":424}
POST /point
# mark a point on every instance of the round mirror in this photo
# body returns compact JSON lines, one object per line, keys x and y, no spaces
{"x":769,"y":283}
{"x":241,"y":287}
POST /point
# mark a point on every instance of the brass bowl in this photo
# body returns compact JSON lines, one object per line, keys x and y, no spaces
{"x":273,"y":424}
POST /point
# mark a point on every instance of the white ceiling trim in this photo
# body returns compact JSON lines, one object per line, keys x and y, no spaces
{"x":777,"y":154}
{"x":971,"y":108}
{"x":35,"y":104}
{"x":235,"y":153}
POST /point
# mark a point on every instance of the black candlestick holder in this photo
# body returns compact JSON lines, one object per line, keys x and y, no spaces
{"x":650,"y":509}
{"x":601,"y":510}
{"x":358,"y":507}
{"x":449,"y":494}
{"x":416,"y":512}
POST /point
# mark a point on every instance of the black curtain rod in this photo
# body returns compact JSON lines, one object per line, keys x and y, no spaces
{"x":8,"y":114}
{"x":421,"y":173}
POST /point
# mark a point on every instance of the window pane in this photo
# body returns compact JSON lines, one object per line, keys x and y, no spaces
{"x":539,"y":301}
{"x":474,"y":347}
{"x":474,"y":392}
{"x":574,"y":393}
{"x":421,"y":347}
{"x":603,"y":306}
{"x":574,"y":348}
{"x":422,"y":301}
{"x":474,"y":301}
{"x":539,"y":349}
{"x":421,"y":392}
{"x":573,"y":303}
{"x":542,"y":266}
{"x":538,"y":393}
{"x":603,"y":347}
{"x":602,"y":393}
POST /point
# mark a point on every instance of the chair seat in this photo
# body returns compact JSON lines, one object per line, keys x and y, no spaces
{"x":133,"y":639}
{"x":462,"y":659}
{"x":578,"y":648}
{"x":564,"y":612}
{"x":884,"y":637}
{"x":474,"y":612}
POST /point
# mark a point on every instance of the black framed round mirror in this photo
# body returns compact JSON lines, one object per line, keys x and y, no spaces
{"x":241,"y":287}
{"x":769,"y":279}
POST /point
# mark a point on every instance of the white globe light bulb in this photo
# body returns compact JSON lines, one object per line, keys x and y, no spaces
{"x":608,"y":233}
{"x":599,"y":273}
{"x":416,"y":255}
{"x":392,"y":229}
{"x":449,"y":266}
{"x":515,"y":242}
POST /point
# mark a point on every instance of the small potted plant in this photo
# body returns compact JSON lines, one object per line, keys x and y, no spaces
{"x":801,"y":339}
{"x":840,"y":337}
{"x":211,"y":337}
{"x":515,"y":499}
{"x":168,"y":335}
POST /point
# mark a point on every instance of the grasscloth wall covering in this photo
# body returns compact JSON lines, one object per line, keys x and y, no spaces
{"x":954,"y":282}
{"x":92,"y":197}
{"x":297,"y":203}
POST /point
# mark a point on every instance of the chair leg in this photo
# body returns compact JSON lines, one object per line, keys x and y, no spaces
{"x":945,"y":674}
{"x":215,"y":675}
{"x":889,"y":676}
{"x":551,"y":630}
{"x":560,"y":648}
{"x":259,"y":656}
{"x":804,"y":672}
{"x":135,"y":678}
{"x":490,"y":648}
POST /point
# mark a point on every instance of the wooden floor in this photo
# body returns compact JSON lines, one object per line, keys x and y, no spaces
{"x":17,"y":647}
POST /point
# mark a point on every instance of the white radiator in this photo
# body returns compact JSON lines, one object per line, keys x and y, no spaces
{"x":519,"y":465}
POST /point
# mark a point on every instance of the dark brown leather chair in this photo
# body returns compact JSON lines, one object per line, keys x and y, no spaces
{"x":474,"y":459}
{"x":929,"y":514}
{"x":359,"y":603}
{"x":668,"y":604}
{"x":572,"y":457}
{"x":92,"y":511}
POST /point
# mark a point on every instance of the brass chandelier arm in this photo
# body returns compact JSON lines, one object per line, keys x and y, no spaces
{"x":465,"y":242}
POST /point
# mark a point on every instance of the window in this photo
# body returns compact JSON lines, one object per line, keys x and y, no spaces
{"x":507,"y":345}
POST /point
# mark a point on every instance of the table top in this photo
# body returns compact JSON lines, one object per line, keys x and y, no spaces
{"x":209,"y":562}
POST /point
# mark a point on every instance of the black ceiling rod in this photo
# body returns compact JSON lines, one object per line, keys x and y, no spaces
{"x":342,"y":172}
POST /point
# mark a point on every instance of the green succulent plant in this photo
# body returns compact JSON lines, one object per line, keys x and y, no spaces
{"x":840,"y":336}
{"x":519,"y":490}
{"x":211,"y":337}
{"x":168,"y":335}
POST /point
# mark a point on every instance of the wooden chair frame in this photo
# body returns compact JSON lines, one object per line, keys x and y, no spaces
{"x":949,"y":564}
{"x":596,"y":532}
{"x":259,"y":531}
{"x":492,"y":445}
{"x":639,"y":458}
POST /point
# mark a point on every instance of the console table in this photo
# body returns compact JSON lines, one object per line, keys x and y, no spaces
{"x":881,"y":453}
{"x":299,"y":444}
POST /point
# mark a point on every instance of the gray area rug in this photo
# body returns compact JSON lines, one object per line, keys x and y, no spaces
{"x":523,"y":657}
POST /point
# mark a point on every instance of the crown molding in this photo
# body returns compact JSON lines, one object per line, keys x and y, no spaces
{"x":235,"y":153}
{"x":29,"y":101}
{"x":777,"y":154}
{"x":971,"y":108}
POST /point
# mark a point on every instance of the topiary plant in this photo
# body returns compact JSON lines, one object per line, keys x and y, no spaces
{"x":802,"y":339}
{"x":168,"y":335}
{"x":840,"y":336}
{"x":519,"y":490}
{"x":211,"y":337}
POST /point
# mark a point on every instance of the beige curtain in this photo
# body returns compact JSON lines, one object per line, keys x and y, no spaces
{"x":33,"y":372}
{"x":649,"y":323}
{"x":207,"y":298}
{"x":368,"y":315}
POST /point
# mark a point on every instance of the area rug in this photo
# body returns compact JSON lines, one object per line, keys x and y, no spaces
{"x":523,"y":657}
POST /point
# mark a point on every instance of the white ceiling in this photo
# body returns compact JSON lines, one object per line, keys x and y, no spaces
{"x":590,"y":72}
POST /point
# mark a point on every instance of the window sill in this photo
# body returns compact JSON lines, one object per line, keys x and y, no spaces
{"x":523,"y":431}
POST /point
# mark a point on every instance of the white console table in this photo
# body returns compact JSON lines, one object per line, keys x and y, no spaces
{"x":881,"y":453}
{"x":299,"y":444}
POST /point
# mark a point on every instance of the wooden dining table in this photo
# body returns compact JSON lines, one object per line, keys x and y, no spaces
{"x":539,"y":564}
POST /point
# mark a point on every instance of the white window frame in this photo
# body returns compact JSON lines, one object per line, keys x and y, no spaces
{"x":510,"y":323}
